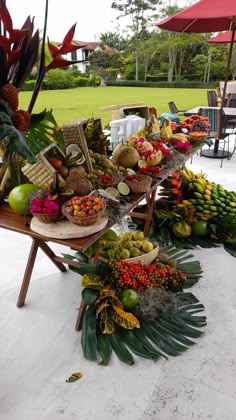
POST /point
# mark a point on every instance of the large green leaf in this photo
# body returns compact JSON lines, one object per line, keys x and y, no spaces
{"x":17,"y":142}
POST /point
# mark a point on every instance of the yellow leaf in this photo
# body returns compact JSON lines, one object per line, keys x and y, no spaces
{"x":125,"y":319}
{"x":91,"y":280}
{"x":107,"y":325}
{"x":103,"y":304}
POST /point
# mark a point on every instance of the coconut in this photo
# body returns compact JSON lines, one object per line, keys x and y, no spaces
{"x":128,"y":157}
{"x":117,"y":149}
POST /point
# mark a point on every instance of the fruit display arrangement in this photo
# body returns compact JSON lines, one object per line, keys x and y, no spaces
{"x":134,"y":310}
{"x":193,"y":206}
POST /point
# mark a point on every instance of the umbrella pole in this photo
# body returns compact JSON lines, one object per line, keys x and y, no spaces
{"x":228,"y":67}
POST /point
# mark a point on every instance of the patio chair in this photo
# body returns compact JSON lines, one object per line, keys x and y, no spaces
{"x":231,"y":122}
{"x":212,"y":98}
{"x":173,"y":108}
{"x":218,"y":122}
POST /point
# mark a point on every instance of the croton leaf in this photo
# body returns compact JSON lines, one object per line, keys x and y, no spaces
{"x":125,"y":319}
{"x":107,"y":325}
{"x":74,"y":377}
{"x":102,"y":304}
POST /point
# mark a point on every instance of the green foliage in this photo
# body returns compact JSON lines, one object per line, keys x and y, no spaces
{"x":81,"y":81}
{"x":58,"y":79}
{"x":28,"y":85}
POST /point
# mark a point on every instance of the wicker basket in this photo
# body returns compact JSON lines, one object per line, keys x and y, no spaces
{"x":145,"y":259}
{"x":74,"y":134}
{"x":47,"y":218}
{"x":83,"y":221}
{"x":42,"y":172}
{"x":143,"y":184}
{"x":113,"y":183}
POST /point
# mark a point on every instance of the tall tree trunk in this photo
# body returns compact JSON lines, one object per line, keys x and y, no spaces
{"x":136,"y":65}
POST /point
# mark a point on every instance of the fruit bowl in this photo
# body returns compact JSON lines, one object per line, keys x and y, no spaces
{"x":89,"y":204}
{"x":145,"y":259}
{"x":106,"y":181}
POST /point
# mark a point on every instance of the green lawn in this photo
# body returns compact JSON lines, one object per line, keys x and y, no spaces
{"x":72,"y":104}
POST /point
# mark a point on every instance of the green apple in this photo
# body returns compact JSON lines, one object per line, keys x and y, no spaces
{"x":129,"y":298}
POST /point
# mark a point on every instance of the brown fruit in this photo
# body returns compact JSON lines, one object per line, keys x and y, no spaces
{"x":9,"y":94}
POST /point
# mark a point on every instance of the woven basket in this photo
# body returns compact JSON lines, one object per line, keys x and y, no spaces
{"x":143,"y":184}
{"x":74,"y":134}
{"x":145,"y":259}
{"x":42,"y":172}
{"x":83,"y":221}
{"x":47,"y":218}
{"x":113,"y":183}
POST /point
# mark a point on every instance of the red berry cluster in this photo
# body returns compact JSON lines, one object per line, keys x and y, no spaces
{"x":124,"y":275}
{"x":165,"y":277}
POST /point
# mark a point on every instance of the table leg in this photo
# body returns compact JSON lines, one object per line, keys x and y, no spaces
{"x":80,"y":316}
{"x":150,"y":205}
{"x":36,"y":243}
{"x":27,"y":274}
{"x":50,"y":254}
{"x":215,"y":153}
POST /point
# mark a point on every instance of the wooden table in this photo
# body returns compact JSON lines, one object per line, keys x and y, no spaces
{"x":14,"y":222}
{"x":214,"y":153}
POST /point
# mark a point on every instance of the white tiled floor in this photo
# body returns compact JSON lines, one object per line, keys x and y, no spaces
{"x":39,"y":347}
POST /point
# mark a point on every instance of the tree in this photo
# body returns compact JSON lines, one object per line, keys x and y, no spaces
{"x":114,"y":40}
{"x":140,"y":13}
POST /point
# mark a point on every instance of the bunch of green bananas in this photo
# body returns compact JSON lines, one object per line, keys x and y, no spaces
{"x":210,"y":199}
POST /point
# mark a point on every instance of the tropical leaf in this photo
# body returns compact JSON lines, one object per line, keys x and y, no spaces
{"x":125,"y":319}
{"x":104,"y":348}
{"x":92,"y":281}
{"x":74,"y":377}
{"x":17,"y":142}
{"x":230,"y":247}
{"x":107,"y":325}
{"x":89,"y":295}
{"x":88,"y":336}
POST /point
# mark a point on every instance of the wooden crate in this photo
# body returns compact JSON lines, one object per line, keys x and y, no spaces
{"x":42,"y":172}
{"x":117,"y":110}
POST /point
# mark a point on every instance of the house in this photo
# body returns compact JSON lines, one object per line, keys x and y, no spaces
{"x":84,"y":52}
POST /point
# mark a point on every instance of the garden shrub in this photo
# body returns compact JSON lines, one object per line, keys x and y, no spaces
{"x":58,"y":79}
{"x":28,"y":85}
{"x":81,"y":81}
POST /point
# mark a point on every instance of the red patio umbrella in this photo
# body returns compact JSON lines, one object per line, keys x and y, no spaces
{"x":223,"y":38}
{"x":203,"y":17}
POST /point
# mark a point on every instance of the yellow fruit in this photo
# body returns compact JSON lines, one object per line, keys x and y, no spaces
{"x":125,"y":254}
{"x":134,"y":252}
{"x":147,"y":246}
{"x":112,"y":191}
{"x":138,"y":235}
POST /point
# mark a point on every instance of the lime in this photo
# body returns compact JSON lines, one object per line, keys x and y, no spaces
{"x":200,"y":228}
{"x":129,"y":298}
{"x":182,"y":229}
{"x":142,"y":163}
{"x":19,"y":198}
{"x":123,"y":188}
{"x":112,"y":191}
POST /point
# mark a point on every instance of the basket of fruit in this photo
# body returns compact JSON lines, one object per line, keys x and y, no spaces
{"x":47,"y":218}
{"x":108,"y":180}
{"x":84,"y":211}
{"x":146,"y":258}
{"x":138,"y":183}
